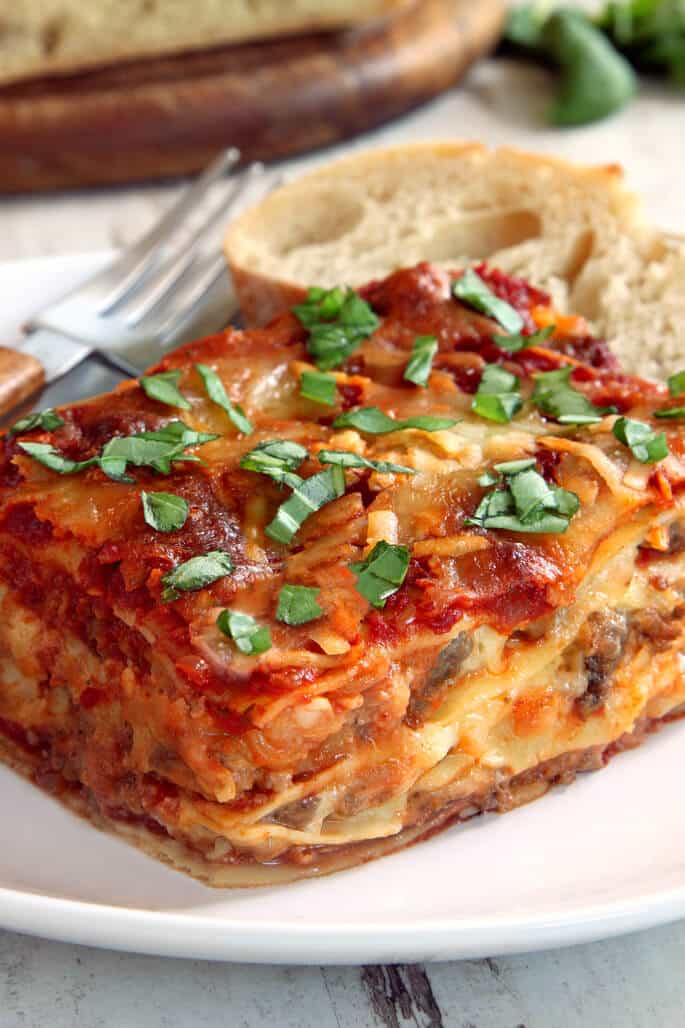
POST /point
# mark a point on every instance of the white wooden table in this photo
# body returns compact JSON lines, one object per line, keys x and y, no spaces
{"x":626,"y":983}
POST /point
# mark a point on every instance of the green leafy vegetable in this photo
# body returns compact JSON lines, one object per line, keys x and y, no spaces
{"x":651,"y":34}
{"x":319,"y":387}
{"x":249,"y":637}
{"x":374,"y":421}
{"x":554,"y":395}
{"x":47,"y":419}
{"x":472,"y":290}
{"x":645,"y":445}
{"x":497,"y":397}
{"x":523,"y":501}
{"x":164,"y":388}
{"x":338,"y":321}
{"x":419,"y":365}
{"x":47,"y":455}
{"x":177,"y":433}
{"x":164,"y":512}
{"x":514,"y":343}
{"x":297,"y":605}
{"x":196,"y":573}
{"x":276,"y":458}
{"x":676,"y":383}
{"x":381,"y":573}
{"x":308,"y":495}
{"x":346,"y":459}
{"x":670,"y":412}
{"x":217,"y":394}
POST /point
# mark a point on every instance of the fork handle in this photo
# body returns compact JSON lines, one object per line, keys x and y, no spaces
{"x":21,"y":375}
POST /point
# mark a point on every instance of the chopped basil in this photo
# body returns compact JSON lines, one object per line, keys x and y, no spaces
{"x":47,"y":455}
{"x":676,"y":383}
{"x":338,"y":321}
{"x":319,"y":387}
{"x":164,"y":512}
{"x":645,"y":445}
{"x":196,"y":573}
{"x":554,"y":395}
{"x":671,"y":412}
{"x":277,"y":458}
{"x":46,"y":419}
{"x":498,"y":397}
{"x":309,"y":495}
{"x":346,"y":459}
{"x":249,"y":637}
{"x":381,"y":573}
{"x":376,"y":422}
{"x":177,"y":432}
{"x":523,"y":501}
{"x":472,"y":290}
{"x":514,"y":343}
{"x":164,"y":388}
{"x":419,"y":365}
{"x":217,"y":394}
{"x":297,"y":605}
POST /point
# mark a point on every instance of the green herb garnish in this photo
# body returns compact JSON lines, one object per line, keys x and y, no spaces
{"x":318,"y":387}
{"x":498,"y":397}
{"x":645,"y":445}
{"x":374,"y":421}
{"x":676,"y":383}
{"x":46,"y":419}
{"x":554,"y":395}
{"x":164,"y":388}
{"x":381,"y":573}
{"x":196,"y":573}
{"x":523,"y":501}
{"x":217,"y":394}
{"x":164,"y":512}
{"x":419,"y":365}
{"x":249,"y":637}
{"x":47,"y":455}
{"x":276,"y":458}
{"x":346,"y":459}
{"x":514,"y":343}
{"x":472,"y":290}
{"x":309,"y":495}
{"x":297,"y":605}
{"x":338,"y":321}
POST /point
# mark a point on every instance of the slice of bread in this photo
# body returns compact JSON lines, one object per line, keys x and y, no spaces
{"x":573,"y":230}
{"x":48,"y":37}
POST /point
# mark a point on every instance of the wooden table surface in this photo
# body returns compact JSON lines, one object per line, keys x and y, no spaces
{"x":633,"y":982}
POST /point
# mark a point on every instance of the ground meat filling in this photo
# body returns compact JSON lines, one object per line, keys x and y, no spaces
{"x":603,"y":637}
{"x":429,"y":696}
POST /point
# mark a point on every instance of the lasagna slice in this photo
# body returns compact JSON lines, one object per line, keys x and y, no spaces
{"x":302,"y":595}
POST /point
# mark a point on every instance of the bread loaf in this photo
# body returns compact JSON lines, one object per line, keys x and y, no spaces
{"x":47,"y":37}
{"x":576,"y":231}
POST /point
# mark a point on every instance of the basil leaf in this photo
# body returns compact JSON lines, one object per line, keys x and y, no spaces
{"x":164,"y":388}
{"x":472,"y":290}
{"x":47,"y":455}
{"x":374,"y":421}
{"x":178,"y":433}
{"x":46,"y":419}
{"x":671,"y":412}
{"x":277,"y":458}
{"x":338,"y":321}
{"x":196,"y":573}
{"x":319,"y":387}
{"x":546,"y":524}
{"x":676,"y":383}
{"x":512,"y":467}
{"x":596,"y":79}
{"x":418,"y":367}
{"x":382,"y":573}
{"x":308,"y":496}
{"x":164,"y":512}
{"x":346,"y":459}
{"x":249,"y":637}
{"x":297,"y":605}
{"x":514,"y":343}
{"x":217,"y":394}
{"x":140,"y":452}
{"x":525,"y":503}
{"x":497,"y":397}
{"x":645,"y":445}
{"x":554,"y":395}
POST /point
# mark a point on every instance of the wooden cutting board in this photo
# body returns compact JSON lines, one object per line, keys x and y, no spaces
{"x":166,"y":117}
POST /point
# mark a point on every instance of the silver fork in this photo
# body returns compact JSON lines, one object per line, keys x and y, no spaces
{"x":144,"y":299}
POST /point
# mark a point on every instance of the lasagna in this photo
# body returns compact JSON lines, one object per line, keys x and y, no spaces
{"x":302,"y":595}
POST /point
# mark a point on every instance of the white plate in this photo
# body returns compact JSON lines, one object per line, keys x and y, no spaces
{"x":602,"y":857}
